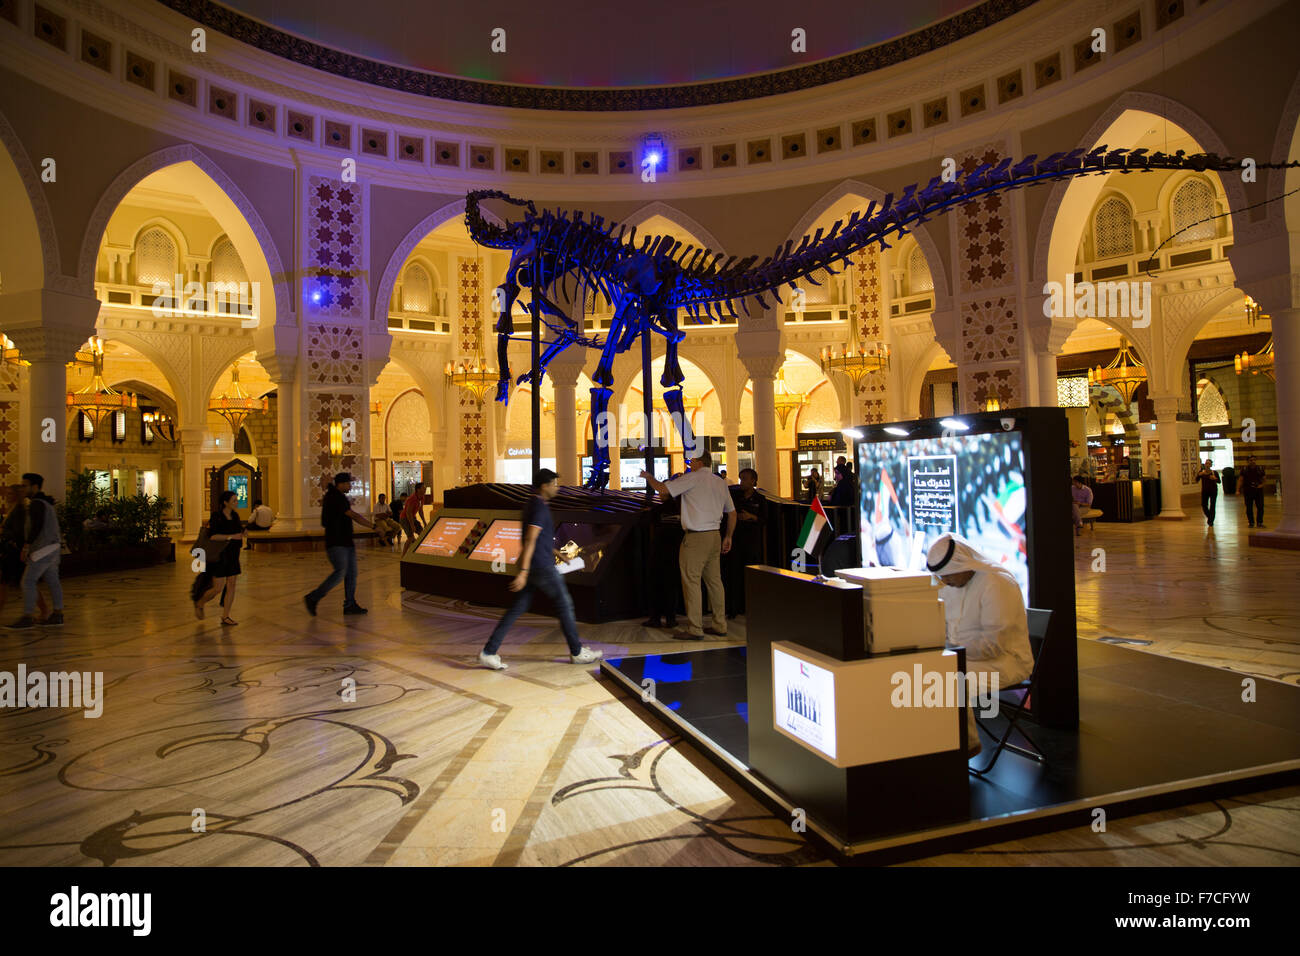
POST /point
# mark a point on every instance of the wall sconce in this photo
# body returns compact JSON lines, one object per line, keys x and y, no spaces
{"x":336,"y":438}
{"x":992,"y":405}
{"x":377,"y":408}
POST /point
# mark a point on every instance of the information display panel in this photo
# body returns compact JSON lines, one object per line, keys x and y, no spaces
{"x":446,"y":536}
{"x":914,"y":490}
{"x":803,"y":701}
{"x":503,"y":537}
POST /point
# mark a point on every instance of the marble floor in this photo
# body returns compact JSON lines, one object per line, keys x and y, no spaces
{"x":376,"y":740}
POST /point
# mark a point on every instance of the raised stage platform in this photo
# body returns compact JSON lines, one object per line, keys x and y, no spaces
{"x":1153,"y":732}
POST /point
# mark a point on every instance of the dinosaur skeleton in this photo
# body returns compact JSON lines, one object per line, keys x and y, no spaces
{"x":648,"y":284}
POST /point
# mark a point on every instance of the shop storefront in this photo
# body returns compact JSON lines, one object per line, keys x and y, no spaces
{"x":816,"y":450}
{"x":717,"y":447}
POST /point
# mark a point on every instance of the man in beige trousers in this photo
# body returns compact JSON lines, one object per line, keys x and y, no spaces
{"x":705,"y":499}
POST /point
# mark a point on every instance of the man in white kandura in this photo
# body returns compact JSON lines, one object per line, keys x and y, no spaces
{"x":985,"y":613}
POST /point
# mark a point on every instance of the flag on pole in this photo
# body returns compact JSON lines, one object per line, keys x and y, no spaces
{"x":816,"y":533}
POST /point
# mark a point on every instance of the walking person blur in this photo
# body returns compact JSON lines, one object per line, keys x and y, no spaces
{"x":223,"y":526}
{"x":412,"y":511}
{"x":336,"y":516}
{"x":705,"y":501}
{"x":12,"y":538}
{"x":1209,"y":491}
{"x":537,"y":572}
{"x":42,"y":543}
{"x":1252,"y":491}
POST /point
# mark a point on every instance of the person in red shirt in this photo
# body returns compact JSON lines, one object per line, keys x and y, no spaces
{"x":411,"y":516}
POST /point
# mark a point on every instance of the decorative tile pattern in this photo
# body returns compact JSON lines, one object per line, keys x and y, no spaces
{"x":866,"y":271}
{"x":984,"y":241}
{"x":9,"y":425}
{"x":324,"y":407}
{"x":334,"y":247}
{"x":978,"y":386}
{"x":990,"y":330}
{"x":474,"y":422}
{"x":334,"y":355}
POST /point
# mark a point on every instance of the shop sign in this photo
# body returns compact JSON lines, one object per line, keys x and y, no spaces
{"x":519,"y":452}
{"x":827,"y":441}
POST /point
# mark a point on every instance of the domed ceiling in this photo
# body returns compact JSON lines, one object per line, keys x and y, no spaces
{"x":597,"y":54}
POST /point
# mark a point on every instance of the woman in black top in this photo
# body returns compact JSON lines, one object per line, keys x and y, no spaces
{"x":12,"y":538}
{"x":224,"y":526}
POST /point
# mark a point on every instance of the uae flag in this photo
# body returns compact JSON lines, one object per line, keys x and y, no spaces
{"x":816,"y":532}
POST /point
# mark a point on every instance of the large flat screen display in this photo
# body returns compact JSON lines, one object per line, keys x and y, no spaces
{"x":914,"y":490}
{"x":503,"y":537}
{"x":803,"y":701}
{"x":446,"y":536}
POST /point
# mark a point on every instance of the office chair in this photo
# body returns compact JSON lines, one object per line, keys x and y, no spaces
{"x":1038,"y":626}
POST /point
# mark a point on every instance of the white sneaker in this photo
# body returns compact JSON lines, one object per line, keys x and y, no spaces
{"x":586,"y":656}
{"x":493,"y":661}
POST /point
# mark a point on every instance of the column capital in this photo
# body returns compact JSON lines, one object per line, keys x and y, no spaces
{"x":567,"y":366}
{"x":1166,"y":407}
{"x":761,"y":349}
{"x":277,"y":352}
{"x":47,"y":325}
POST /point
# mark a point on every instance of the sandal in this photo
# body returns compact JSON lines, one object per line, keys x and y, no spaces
{"x":228,"y":622}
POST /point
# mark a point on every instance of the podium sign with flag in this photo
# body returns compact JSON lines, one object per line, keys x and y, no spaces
{"x":816,"y":532}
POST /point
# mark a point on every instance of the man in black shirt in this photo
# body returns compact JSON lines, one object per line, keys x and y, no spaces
{"x":1252,"y":490}
{"x":1209,"y":479}
{"x":537,"y":572}
{"x":336,"y":516}
{"x":747,"y":547}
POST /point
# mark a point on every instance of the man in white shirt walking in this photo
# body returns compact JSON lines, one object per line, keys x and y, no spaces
{"x":705,"y":500}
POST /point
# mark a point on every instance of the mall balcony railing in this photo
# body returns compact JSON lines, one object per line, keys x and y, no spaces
{"x":142,"y":298}
{"x":1134,"y":267}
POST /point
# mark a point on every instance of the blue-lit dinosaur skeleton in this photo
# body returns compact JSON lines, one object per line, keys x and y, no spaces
{"x":552,"y":253}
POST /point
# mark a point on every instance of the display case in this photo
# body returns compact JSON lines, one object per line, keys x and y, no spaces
{"x":470,"y":550}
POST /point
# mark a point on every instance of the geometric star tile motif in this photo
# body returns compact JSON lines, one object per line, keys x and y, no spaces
{"x":334,"y":247}
{"x":984,"y":241}
{"x":990,"y":330}
{"x":983,"y":384}
{"x":866,"y":269}
{"x":334,"y":355}
{"x":9,"y":424}
{"x":469,"y":334}
{"x":324,"y":407}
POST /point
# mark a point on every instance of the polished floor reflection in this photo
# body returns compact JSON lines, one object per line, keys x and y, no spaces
{"x":291,"y":740}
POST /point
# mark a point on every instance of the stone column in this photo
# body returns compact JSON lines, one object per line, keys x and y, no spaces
{"x":1047,"y":379}
{"x":190,"y":439}
{"x":48,"y":327}
{"x":763,"y":353}
{"x":288,"y":454}
{"x":564,"y":373}
{"x":731,"y":439}
{"x":1171,"y":463}
{"x":1286,"y":372}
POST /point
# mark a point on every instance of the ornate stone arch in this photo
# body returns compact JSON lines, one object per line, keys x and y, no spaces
{"x":156,"y":347}
{"x":397,"y":261}
{"x":51,"y":261}
{"x":1137,"y":102}
{"x":1178,"y":341}
{"x":853,"y":187}
{"x":688,"y":223}
{"x":269,"y":266}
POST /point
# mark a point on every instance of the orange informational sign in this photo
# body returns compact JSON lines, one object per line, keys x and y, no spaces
{"x":447,"y":536}
{"x":503,"y":541}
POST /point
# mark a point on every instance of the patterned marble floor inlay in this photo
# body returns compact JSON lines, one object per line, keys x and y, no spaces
{"x":290,"y":740}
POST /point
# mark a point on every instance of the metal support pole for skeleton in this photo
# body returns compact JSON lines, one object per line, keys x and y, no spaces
{"x":535,"y":396}
{"x":646,"y":406}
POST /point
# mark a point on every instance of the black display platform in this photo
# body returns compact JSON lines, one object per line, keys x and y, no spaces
{"x":1153,"y":732}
